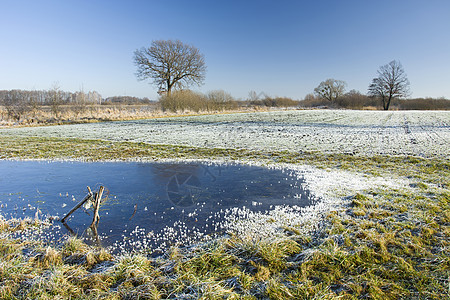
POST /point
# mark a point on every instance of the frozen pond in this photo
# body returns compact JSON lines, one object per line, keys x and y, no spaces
{"x":148,"y":205}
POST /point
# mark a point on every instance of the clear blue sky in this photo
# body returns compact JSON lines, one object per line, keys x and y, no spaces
{"x":282,"y":48}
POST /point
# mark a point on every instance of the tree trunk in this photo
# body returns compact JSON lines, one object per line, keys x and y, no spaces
{"x":169,"y":87}
{"x":388,"y":103}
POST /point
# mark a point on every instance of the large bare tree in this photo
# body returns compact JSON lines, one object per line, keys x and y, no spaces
{"x":171,"y":64}
{"x":391,"y":83}
{"x":330,"y":89}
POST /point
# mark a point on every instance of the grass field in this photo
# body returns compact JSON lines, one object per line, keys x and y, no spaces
{"x":368,"y":133}
{"x":382,"y":232}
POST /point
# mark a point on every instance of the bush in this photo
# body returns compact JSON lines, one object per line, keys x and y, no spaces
{"x":356,"y":100}
{"x":423,"y":104}
{"x":274,"y":102}
{"x":313,"y":101}
{"x":220,"y":100}
{"x":181,"y":101}
{"x":187,"y":100}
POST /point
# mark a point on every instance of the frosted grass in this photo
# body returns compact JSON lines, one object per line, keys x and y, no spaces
{"x":417,"y":133}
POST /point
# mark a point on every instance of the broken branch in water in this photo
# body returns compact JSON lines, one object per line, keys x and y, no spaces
{"x":98,"y":198}
{"x":88,"y":196}
{"x":134,"y":212}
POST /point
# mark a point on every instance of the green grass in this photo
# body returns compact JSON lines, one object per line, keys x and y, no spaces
{"x":16,"y":147}
{"x":383,"y":244}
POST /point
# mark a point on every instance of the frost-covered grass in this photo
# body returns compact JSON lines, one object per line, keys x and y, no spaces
{"x":367,"y":133}
{"x":381,"y":230}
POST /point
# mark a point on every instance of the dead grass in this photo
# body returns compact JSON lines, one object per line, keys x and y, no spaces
{"x":70,"y":114}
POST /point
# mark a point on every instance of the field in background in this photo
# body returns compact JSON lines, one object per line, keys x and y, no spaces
{"x":367,"y":133}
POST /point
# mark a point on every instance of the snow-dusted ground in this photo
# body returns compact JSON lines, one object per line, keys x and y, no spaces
{"x":418,"y":133}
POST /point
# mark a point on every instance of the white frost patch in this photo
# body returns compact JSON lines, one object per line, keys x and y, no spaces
{"x":332,"y":183}
{"x":329,"y":188}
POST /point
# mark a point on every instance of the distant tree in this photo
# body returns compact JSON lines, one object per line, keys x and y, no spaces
{"x":310,"y":97}
{"x":353,"y":99}
{"x":16,"y":104}
{"x":391,"y":83}
{"x":56,"y":99}
{"x":33,"y":102}
{"x":252,"y":96}
{"x":220,"y":100}
{"x":171,"y":64}
{"x":330,"y":89}
{"x":79,"y":104}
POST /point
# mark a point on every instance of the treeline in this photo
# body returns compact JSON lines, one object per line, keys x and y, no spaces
{"x":18,"y":105}
{"x":47,"y":97}
{"x":356,"y":100}
{"x":54,"y":105}
{"x":423,"y":104}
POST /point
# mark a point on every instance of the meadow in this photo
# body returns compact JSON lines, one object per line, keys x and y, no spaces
{"x":365,"y":133}
{"x":379,"y":230}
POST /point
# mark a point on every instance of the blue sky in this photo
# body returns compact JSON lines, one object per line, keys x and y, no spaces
{"x":282,"y":48}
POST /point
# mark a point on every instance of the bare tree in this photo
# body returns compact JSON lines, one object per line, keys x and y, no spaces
{"x":391,"y":83}
{"x":16,"y":104}
{"x":56,"y":99}
{"x":79,"y":105}
{"x":220,"y":100}
{"x":330,"y":89}
{"x":252,"y":96}
{"x":171,"y":64}
{"x":33,"y":102}
{"x":310,"y":97}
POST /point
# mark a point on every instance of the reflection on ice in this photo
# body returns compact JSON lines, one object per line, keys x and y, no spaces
{"x":150,"y":206}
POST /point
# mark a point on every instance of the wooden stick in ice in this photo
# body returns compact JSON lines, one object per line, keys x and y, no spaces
{"x":88,"y":196}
